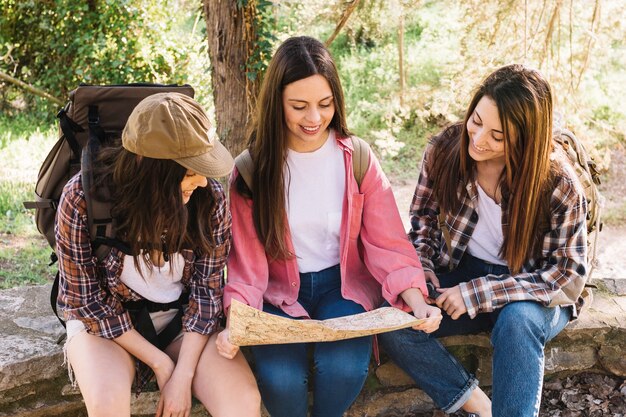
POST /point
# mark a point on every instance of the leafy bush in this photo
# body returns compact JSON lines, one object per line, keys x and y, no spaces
{"x":94,"y":42}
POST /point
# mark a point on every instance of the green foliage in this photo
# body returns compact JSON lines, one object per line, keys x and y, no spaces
{"x":14,"y":218}
{"x":265,"y":26}
{"x":94,"y":42}
{"x":21,"y":125}
{"x":449,"y":46}
{"x":24,"y":253}
{"x":24,"y":260}
{"x":22,"y":151}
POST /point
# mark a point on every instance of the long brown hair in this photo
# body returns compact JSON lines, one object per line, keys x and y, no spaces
{"x":296,"y":58}
{"x":524,"y":101}
{"x":147,"y":203}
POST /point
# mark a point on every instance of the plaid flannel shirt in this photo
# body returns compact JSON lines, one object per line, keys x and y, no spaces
{"x":92,"y":292}
{"x":563,"y":252}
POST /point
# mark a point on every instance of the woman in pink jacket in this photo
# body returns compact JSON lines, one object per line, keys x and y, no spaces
{"x":308,"y":241}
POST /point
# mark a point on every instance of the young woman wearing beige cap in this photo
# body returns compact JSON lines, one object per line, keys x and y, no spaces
{"x":172,"y":214}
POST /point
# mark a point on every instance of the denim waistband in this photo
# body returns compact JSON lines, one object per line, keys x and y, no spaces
{"x":478,"y":264}
{"x":330,"y":270}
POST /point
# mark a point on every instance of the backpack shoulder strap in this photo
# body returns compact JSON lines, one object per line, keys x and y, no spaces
{"x":360,"y":162}
{"x":360,"y":158}
{"x":102,"y":226}
{"x":245,"y":167}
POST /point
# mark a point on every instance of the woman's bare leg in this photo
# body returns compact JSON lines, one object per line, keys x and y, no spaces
{"x":226,"y":387}
{"x":104,"y":372}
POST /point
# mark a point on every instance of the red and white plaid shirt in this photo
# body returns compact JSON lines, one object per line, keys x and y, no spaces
{"x":563,"y":252}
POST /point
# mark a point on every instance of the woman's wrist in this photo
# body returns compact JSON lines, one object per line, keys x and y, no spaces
{"x":183,"y":375}
{"x":160,"y":361}
{"x":413,"y":297}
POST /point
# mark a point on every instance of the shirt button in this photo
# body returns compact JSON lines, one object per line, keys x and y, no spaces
{"x":293,"y":284}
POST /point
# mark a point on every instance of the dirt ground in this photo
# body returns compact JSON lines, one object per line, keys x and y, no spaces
{"x":582,"y":395}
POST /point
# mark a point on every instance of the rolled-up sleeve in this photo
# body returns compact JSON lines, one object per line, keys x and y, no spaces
{"x":205,"y":308}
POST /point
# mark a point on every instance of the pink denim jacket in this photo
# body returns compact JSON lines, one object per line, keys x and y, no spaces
{"x":376,"y":258}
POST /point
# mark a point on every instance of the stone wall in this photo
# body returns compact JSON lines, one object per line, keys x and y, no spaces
{"x":34,"y":382}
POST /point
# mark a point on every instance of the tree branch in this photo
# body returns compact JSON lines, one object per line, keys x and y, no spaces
{"x":30,"y":88}
{"x":344,"y":18}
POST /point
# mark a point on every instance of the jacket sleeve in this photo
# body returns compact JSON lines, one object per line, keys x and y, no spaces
{"x":387,"y":252}
{"x":81,"y":296}
{"x":563,"y":258}
{"x":424,"y":233}
{"x":248,"y":271}
{"x":204,"y":310}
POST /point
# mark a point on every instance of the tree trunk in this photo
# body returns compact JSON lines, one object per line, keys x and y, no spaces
{"x":401,"y":55}
{"x":231,"y":38}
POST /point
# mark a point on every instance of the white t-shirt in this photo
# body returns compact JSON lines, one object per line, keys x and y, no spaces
{"x":160,"y":285}
{"x":315,"y":185}
{"x":487,"y":237}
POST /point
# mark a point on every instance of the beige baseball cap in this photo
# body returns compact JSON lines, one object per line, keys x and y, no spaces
{"x":174,"y":126}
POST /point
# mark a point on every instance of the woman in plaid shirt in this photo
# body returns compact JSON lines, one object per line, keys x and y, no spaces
{"x":177,"y":224}
{"x":515,"y":213}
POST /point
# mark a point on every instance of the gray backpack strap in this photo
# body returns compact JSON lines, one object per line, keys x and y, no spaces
{"x":360,"y":162}
{"x":245,"y":167}
{"x":360,"y":158}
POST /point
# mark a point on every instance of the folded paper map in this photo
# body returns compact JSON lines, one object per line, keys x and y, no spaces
{"x":249,"y":326}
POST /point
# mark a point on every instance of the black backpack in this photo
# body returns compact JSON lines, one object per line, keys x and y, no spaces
{"x":94,"y":116}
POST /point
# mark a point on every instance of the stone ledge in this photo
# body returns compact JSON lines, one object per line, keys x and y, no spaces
{"x":34,"y":383}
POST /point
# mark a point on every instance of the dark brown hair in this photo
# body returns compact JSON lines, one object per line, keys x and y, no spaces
{"x":524,"y":101}
{"x":147,"y":203}
{"x":296,"y":58}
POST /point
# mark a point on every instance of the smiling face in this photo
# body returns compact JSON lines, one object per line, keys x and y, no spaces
{"x":308,"y":107}
{"x":486,"y":137}
{"x":190,"y":182}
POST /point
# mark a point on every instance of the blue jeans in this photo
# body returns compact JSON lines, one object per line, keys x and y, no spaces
{"x":519,"y":333}
{"x":340,"y":368}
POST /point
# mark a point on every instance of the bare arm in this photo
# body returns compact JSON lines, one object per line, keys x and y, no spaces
{"x":176,"y":394}
{"x":135,"y":344}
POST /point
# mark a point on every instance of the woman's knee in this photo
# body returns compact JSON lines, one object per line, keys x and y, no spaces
{"x":247,"y":403}
{"x":521,"y":320}
{"x":108,"y":405}
{"x":280,"y":378}
{"x":343,"y":360}
{"x":281,"y":367}
{"x":105,"y":396}
{"x":403,"y":341}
